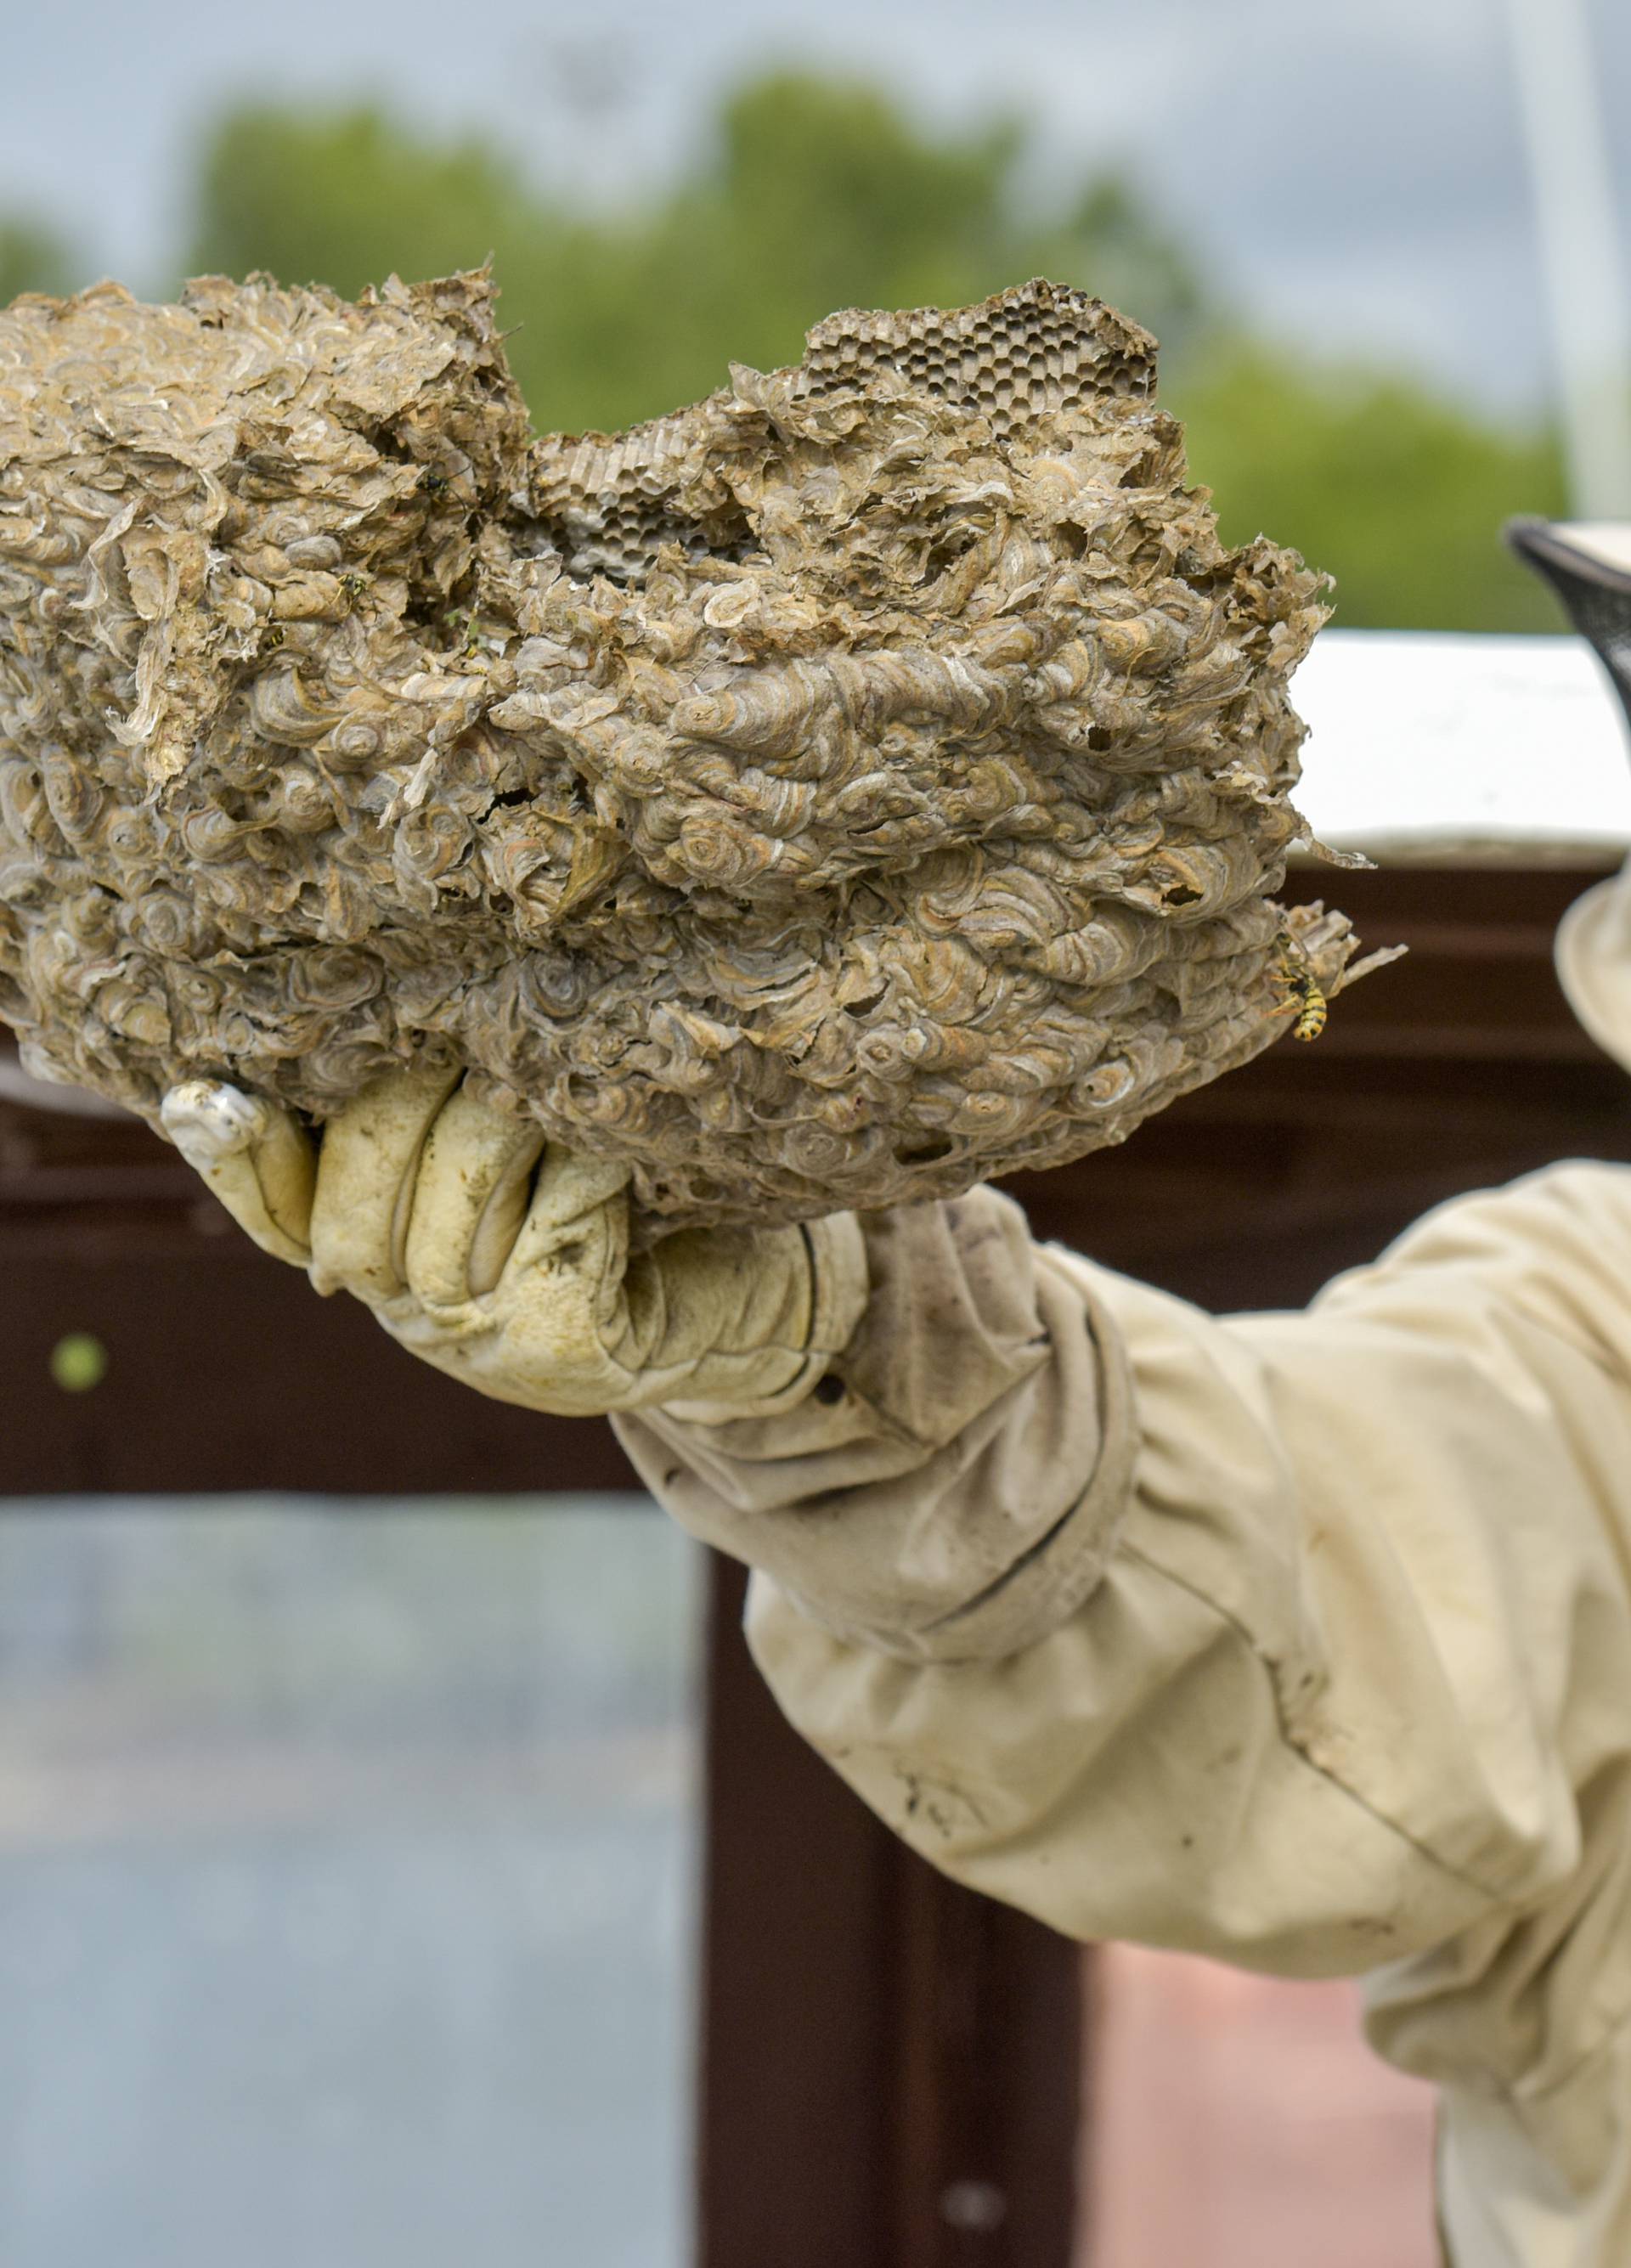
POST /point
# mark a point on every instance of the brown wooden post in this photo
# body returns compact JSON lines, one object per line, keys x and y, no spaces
{"x":891,"y":2065}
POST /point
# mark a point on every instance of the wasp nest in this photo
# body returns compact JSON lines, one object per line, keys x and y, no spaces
{"x":867,"y":781}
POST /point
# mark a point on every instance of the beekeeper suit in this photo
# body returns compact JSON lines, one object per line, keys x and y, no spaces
{"x":1302,"y":1641}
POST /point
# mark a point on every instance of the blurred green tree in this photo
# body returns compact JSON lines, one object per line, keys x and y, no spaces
{"x":32,"y":259}
{"x":1397,"y":494}
{"x":813,"y":193}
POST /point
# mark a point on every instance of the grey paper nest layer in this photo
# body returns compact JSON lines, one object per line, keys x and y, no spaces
{"x":867,"y":781}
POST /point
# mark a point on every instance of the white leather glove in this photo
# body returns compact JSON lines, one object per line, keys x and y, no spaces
{"x":515,"y":1276}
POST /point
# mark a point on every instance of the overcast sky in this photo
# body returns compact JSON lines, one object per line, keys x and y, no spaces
{"x":1353,"y":168}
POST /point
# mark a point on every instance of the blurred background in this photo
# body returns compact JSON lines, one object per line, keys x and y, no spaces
{"x":348,"y":1874}
{"x":1327,"y":215}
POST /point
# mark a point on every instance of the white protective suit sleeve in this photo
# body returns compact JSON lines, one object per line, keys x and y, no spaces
{"x":1299,"y":1640}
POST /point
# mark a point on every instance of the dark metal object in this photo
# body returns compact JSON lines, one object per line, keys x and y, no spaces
{"x":1596,"y":595}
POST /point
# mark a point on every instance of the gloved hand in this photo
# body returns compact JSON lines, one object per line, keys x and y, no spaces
{"x":515,"y":1276}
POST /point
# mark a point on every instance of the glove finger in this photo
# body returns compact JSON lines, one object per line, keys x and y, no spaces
{"x":470,"y":1198}
{"x":365,"y":1180}
{"x":255,"y":1156}
{"x":571,"y":1192}
{"x":576,"y":1231}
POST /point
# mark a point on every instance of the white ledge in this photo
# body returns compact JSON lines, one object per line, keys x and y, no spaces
{"x":1431,"y":744}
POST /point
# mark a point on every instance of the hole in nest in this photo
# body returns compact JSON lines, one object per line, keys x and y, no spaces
{"x":925,"y":1153}
{"x":1181,"y":893}
{"x":948,"y":547}
{"x":1097,"y":737}
{"x":864,"y":1008}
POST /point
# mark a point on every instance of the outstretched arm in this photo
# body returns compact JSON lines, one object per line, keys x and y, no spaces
{"x":1254,"y":1634}
{"x":1301,"y":1640}
{"x":1337,"y":1678}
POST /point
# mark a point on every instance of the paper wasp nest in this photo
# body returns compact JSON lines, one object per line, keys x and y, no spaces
{"x":867,"y":781}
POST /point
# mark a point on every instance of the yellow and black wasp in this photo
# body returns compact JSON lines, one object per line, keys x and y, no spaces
{"x":1299,"y":984}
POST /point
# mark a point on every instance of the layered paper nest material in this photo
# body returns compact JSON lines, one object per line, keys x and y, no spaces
{"x":867,"y":781}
